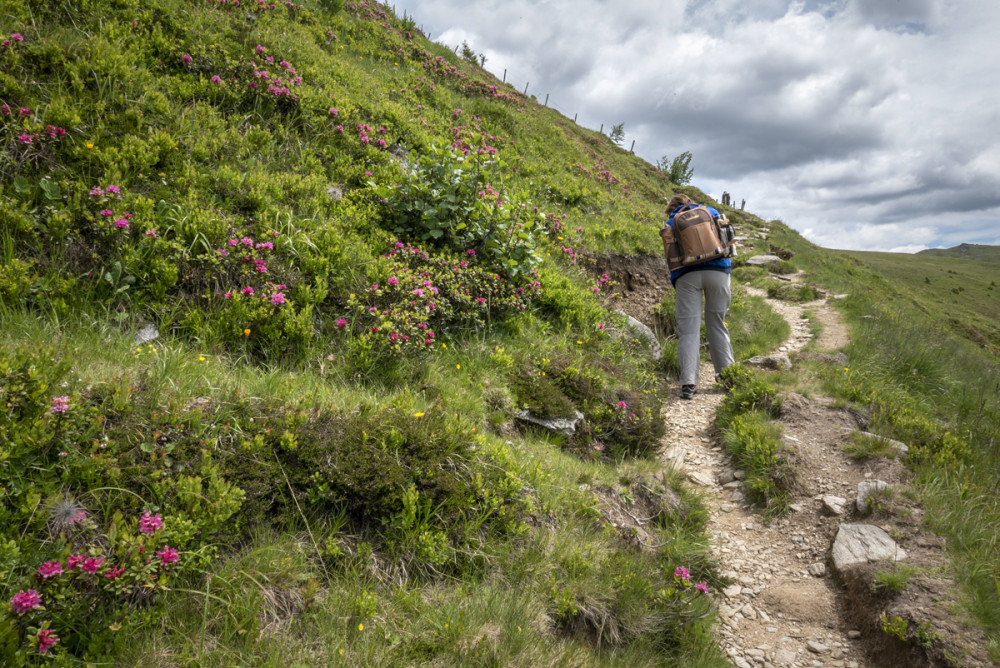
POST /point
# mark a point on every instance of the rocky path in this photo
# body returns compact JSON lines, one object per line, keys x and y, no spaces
{"x":782,"y":608}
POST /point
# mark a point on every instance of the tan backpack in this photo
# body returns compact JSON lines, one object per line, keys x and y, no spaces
{"x":696,"y":236}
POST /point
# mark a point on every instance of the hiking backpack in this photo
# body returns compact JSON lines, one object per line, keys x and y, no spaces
{"x":697,"y":236}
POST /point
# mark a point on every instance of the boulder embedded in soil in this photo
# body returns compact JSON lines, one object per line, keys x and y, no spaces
{"x":858,"y":544}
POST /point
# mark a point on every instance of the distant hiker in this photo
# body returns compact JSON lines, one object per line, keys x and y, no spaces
{"x":709,"y":277}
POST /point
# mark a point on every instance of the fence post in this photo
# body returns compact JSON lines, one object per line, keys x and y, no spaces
{"x":574,"y":118}
{"x":602,"y":129}
{"x":546,"y":100}
{"x":632,"y":150}
{"x":505,"y":75}
{"x":526,"y":88}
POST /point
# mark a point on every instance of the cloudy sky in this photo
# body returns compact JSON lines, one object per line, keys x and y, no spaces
{"x":863,"y":124}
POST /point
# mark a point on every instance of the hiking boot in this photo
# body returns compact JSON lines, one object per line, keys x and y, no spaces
{"x":688,"y":391}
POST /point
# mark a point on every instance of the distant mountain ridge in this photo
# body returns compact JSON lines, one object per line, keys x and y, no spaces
{"x":977,"y":252}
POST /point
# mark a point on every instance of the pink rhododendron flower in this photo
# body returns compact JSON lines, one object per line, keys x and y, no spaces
{"x":5,"y":109}
{"x":246,"y":241}
{"x":278,"y":298}
{"x":75,"y":560}
{"x":96,"y":191}
{"x":60,"y":404}
{"x":151,"y":233}
{"x":17,"y":37}
{"x":186,"y":58}
{"x":216,"y":79}
{"x":333,"y":112}
{"x":682,"y":573}
{"x":25,"y":111}
{"x":470,"y":252}
{"x":622,"y":405}
{"x":393,"y":280}
{"x":260,"y":49}
{"x":112,"y":190}
{"x":24,"y":138}
{"x":107,"y":212}
{"x":47,"y":638}
{"x":25,"y":601}
{"x":121,"y":223}
{"x":228,"y":295}
{"x":149,"y":524}
{"x":341,"y":322}
{"x":247,"y":291}
{"x":50,"y":569}
{"x":114,"y":573}
{"x":167,"y":555}
{"x":91,"y":564}
{"x":702,"y":587}
{"x":232,"y":242}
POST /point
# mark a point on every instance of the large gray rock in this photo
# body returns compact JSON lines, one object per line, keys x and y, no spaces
{"x":858,"y":544}
{"x":762,"y":260}
{"x":866,"y":489}
{"x":565,"y":426}
{"x":770,"y":362}
{"x":899,"y":446}
{"x":643,"y":333}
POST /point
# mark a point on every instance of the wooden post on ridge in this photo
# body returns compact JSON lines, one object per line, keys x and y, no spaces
{"x":602,"y":129}
{"x":632,"y":150}
{"x":505,"y":75}
{"x":526,"y":88}
{"x":546,"y":100}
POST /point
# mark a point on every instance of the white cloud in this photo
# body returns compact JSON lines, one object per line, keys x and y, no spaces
{"x":861,"y":123}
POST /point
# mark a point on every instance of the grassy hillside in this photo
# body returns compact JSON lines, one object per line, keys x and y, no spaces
{"x":957,"y":293}
{"x":977,"y":252}
{"x":362,"y":258}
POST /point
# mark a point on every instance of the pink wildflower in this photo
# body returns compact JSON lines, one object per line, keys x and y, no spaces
{"x":121,"y":223}
{"x":247,"y":291}
{"x":470,"y":252}
{"x":278,"y":298}
{"x":418,"y":292}
{"x":113,"y":573}
{"x":50,"y":569}
{"x":393,"y":280}
{"x":228,"y":295}
{"x":186,"y":58}
{"x":260,"y":49}
{"x":152,"y":234}
{"x":622,"y":405}
{"x":91,"y":564}
{"x":216,"y":79}
{"x":333,"y":112}
{"x":17,"y":37}
{"x":682,"y":573}
{"x":149,"y":524}
{"x":75,"y":560}
{"x":341,"y":322}
{"x":246,"y":241}
{"x":25,"y":111}
{"x":24,"y":138}
{"x":25,"y":601}
{"x":60,"y":404}
{"x":96,"y":191}
{"x":107,"y":212}
{"x":702,"y":587}
{"x":167,"y":555}
{"x":47,"y":639}
{"x":112,"y":189}
{"x":5,"y":109}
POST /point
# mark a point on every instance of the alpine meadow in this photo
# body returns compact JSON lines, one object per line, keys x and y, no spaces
{"x":320,"y":345}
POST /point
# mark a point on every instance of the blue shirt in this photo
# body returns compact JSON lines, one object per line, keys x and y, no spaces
{"x":718,"y":264}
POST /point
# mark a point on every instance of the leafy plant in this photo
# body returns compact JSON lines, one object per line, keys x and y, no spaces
{"x":678,"y":169}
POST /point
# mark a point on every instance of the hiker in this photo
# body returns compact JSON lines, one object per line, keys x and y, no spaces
{"x":711,"y":278}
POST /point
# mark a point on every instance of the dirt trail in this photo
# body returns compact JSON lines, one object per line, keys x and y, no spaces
{"x":782,"y":609}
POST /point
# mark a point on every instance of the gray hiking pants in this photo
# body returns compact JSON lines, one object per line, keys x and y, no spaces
{"x":687,"y":309}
